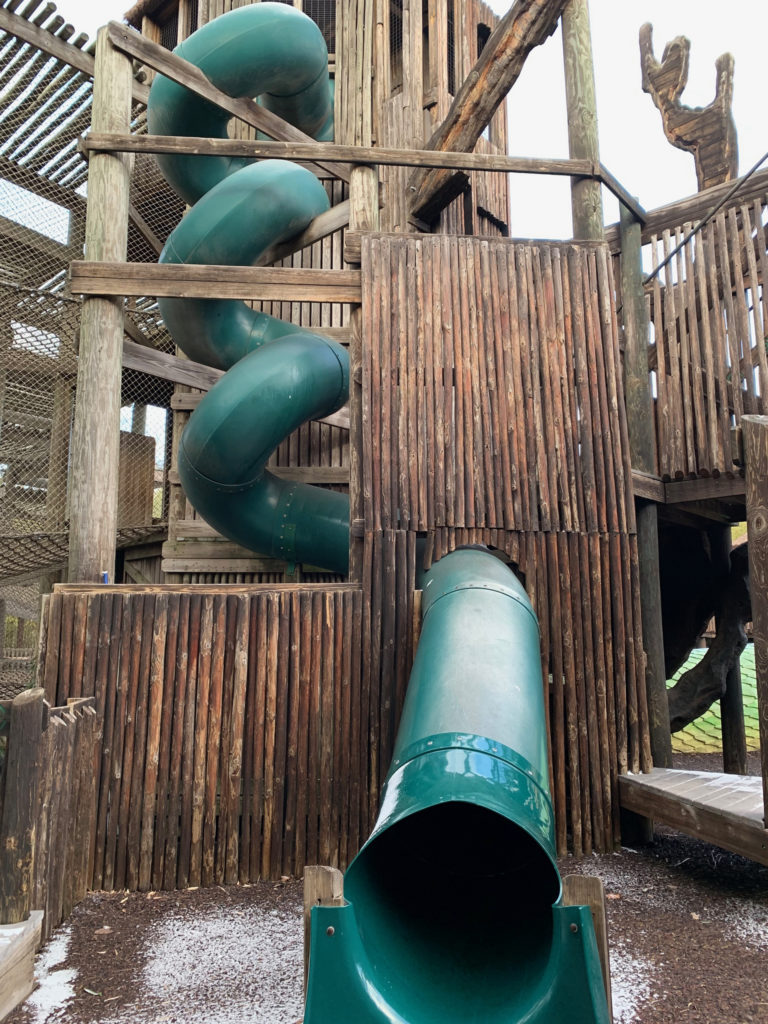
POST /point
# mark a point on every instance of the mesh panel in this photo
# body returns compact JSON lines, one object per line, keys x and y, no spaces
{"x":46,"y":106}
{"x":169,"y":32}
{"x":396,"y":43}
{"x":19,"y":613}
{"x":451,"y":47}
{"x":323,"y":13}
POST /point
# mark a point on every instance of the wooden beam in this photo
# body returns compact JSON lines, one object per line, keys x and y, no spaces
{"x":692,"y":208}
{"x":586,"y":198}
{"x":168,"y":367}
{"x":755,"y":432}
{"x":373,"y":155}
{"x":19,"y":806}
{"x":323,"y":225}
{"x":648,"y":486}
{"x":637,"y":389}
{"x":275,"y":284}
{"x":588,"y":891}
{"x":733,"y":832}
{"x":527,"y":24}
{"x":307,"y":151}
{"x":55,"y":47}
{"x":186,"y":74}
{"x":323,"y":887}
{"x":677,"y":491}
{"x":96,"y":431}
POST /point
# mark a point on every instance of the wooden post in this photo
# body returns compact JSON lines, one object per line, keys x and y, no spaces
{"x":323,"y":886}
{"x":755,"y":431}
{"x":355,"y":21}
{"x":586,"y":199}
{"x":587,"y":891}
{"x":96,"y":434}
{"x":19,"y":806}
{"x":732,"y":702}
{"x":641,"y":445}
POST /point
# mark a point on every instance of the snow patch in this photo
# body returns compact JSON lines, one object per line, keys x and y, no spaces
{"x":241,"y":967}
{"x":55,"y":987}
{"x":630,"y":985}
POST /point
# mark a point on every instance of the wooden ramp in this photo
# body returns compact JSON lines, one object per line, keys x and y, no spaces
{"x":726,"y":810}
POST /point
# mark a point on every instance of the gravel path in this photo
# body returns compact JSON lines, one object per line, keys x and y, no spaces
{"x":688,"y":927}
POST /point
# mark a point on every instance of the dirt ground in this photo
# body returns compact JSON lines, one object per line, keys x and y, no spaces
{"x":688,"y":928}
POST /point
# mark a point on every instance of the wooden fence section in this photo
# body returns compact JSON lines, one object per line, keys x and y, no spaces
{"x":491,"y":387}
{"x":492,"y":414}
{"x":48,"y":808}
{"x":708,"y":310}
{"x":236,"y":727}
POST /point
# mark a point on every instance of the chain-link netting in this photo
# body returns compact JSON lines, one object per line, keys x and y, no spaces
{"x":45,"y":107}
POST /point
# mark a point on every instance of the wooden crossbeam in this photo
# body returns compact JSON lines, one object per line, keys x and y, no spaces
{"x":267,"y":284}
{"x":186,"y":74}
{"x":374,"y":155}
{"x":55,"y":47}
{"x":527,"y":24}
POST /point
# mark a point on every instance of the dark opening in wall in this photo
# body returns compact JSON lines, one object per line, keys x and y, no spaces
{"x":483,"y":35}
{"x":396,"y":44}
{"x":451,"y":46}
{"x":169,"y":31}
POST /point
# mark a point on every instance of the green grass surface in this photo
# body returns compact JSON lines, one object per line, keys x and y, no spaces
{"x":704,"y":735}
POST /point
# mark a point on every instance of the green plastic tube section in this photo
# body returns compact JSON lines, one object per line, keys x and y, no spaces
{"x":242,"y":208}
{"x":453,"y":910}
{"x":267,"y":50}
{"x":472,"y":730}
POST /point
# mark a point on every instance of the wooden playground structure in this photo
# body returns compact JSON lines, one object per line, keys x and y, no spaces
{"x":540,"y":398}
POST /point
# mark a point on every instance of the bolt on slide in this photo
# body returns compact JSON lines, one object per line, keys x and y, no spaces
{"x":279,"y":375}
{"x":454,"y":912}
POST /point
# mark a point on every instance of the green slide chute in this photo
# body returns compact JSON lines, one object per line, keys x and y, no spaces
{"x":279,"y":376}
{"x":453,"y":912}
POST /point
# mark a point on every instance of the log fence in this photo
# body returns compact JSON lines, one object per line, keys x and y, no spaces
{"x":708,"y":314}
{"x":47,"y":816}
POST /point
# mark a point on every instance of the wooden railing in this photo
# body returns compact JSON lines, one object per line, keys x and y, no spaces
{"x":48,"y":810}
{"x":709,"y":320}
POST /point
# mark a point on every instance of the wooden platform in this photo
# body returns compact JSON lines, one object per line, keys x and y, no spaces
{"x":723,"y":809}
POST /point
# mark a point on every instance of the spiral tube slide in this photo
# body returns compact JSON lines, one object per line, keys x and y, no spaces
{"x":453,"y":912}
{"x":278,"y":375}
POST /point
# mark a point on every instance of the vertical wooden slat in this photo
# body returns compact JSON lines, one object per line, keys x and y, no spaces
{"x":177,"y":687}
{"x":188,"y":792}
{"x":131,"y":840}
{"x":154,"y":728}
{"x":202,"y":696}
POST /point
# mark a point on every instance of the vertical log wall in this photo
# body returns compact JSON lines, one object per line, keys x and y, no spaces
{"x":492,"y":413}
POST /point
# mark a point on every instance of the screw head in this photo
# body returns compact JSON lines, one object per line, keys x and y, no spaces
{"x":574,"y":928}
{"x":330,"y":930}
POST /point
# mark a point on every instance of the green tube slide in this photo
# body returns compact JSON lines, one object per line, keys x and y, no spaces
{"x":453,"y":912}
{"x":278,"y":376}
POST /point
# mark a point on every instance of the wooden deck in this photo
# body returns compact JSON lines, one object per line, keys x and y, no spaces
{"x":723,"y":809}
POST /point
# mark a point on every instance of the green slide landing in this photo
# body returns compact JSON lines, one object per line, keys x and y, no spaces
{"x":279,"y":376}
{"x":453,"y":912}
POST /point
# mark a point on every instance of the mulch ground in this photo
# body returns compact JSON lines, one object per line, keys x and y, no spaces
{"x":688,"y":928}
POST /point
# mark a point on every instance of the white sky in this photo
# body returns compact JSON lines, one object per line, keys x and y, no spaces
{"x":632,"y":144}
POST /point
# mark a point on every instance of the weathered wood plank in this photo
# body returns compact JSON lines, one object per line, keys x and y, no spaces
{"x":203,"y":281}
{"x":652,"y":796}
{"x":527,"y":24}
{"x":755,"y":429}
